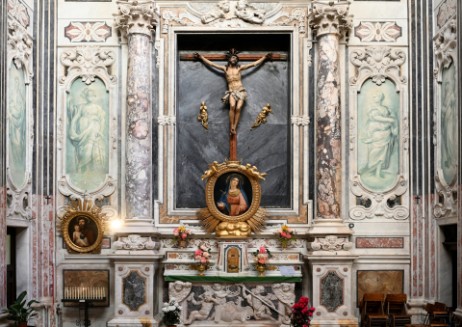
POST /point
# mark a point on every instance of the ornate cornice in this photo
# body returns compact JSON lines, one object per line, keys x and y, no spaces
{"x":136,"y":17}
{"x":378,"y":63}
{"x":330,"y":17}
{"x":87,"y":63}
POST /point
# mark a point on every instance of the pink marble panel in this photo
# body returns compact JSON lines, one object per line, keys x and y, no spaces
{"x":380,"y":242}
{"x":2,"y":246}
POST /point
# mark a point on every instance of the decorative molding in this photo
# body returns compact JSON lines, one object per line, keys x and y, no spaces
{"x":107,"y":188}
{"x":378,"y":31}
{"x":300,"y":120}
{"x":297,"y":16}
{"x":18,"y":11}
{"x":18,"y":199}
{"x":20,"y":48}
{"x":379,"y":206}
{"x":234,"y":14}
{"x":87,"y":63}
{"x":331,"y":243}
{"x":446,"y":200}
{"x":136,"y":17}
{"x":378,"y":63}
{"x":445,"y":45}
{"x":135,"y":243}
{"x":330,"y":18}
{"x":447,"y":10}
{"x":166,"y":120}
{"x":88,"y":31}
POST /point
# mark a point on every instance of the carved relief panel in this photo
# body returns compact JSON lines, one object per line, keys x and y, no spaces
{"x":19,"y":122}
{"x":87,"y":130}
{"x":446,"y":119}
{"x":379,"y":134}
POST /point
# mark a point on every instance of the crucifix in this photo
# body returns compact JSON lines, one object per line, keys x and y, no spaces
{"x":236,"y":94}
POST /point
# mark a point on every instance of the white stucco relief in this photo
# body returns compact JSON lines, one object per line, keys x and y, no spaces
{"x":379,"y":71}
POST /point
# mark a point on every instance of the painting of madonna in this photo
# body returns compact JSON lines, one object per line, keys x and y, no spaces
{"x":233,"y":191}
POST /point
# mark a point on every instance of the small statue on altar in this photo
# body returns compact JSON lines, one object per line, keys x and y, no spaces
{"x":236,"y":94}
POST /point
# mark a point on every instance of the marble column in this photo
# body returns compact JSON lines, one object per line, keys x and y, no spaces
{"x":136,"y":21}
{"x":328,"y":22}
{"x":329,"y":255}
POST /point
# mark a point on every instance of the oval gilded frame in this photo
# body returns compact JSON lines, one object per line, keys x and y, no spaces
{"x":73,"y":217}
{"x":229,"y":168}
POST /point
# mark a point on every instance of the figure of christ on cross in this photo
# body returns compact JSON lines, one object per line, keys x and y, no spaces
{"x":236,"y":94}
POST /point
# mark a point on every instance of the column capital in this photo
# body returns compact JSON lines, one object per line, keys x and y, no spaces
{"x":136,"y":17}
{"x":330,"y":17}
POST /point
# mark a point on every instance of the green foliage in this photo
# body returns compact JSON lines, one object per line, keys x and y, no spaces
{"x":21,"y":310}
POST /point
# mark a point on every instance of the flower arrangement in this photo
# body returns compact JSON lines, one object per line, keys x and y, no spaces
{"x":202,"y":256}
{"x":171,"y":312}
{"x":285,"y":235}
{"x":302,"y":313}
{"x":262,"y":255}
{"x":181,"y":234}
{"x":261,"y":259}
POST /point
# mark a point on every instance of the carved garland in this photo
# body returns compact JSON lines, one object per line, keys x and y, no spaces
{"x":379,"y":64}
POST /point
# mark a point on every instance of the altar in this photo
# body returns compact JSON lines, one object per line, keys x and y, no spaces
{"x":218,"y":296}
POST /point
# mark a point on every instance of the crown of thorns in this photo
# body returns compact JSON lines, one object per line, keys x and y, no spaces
{"x":232,"y":53}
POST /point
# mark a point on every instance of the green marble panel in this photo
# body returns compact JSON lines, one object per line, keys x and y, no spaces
{"x":378,"y":135}
{"x":17,"y":119}
{"x":87,"y":136}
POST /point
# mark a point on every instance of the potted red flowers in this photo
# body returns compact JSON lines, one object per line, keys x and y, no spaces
{"x":302,"y":313}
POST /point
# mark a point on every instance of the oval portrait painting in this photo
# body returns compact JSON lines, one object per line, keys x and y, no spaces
{"x":83,"y":231}
{"x":233,"y":194}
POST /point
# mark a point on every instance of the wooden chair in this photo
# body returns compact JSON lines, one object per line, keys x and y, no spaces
{"x":372,"y":314}
{"x":395,"y":306}
{"x":437,"y":314}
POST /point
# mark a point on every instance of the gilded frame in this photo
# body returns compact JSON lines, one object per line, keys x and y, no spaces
{"x":214,"y":182}
{"x":214,"y":218}
{"x":89,"y":236}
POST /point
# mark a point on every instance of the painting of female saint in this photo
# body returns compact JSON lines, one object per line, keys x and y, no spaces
{"x":233,"y":194}
{"x":87,"y":134}
{"x":378,"y":148}
{"x":448,"y":125}
{"x":16,"y":123}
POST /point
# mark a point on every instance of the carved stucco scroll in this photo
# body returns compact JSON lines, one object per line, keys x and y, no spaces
{"x":378,"y":87}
